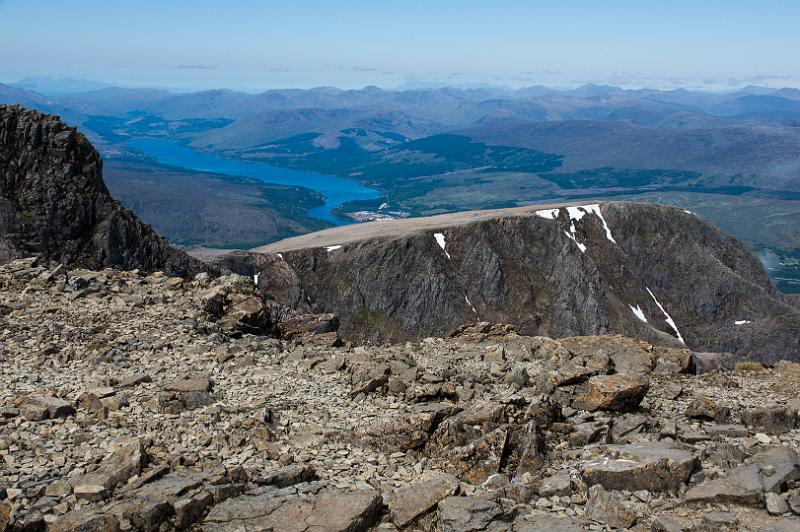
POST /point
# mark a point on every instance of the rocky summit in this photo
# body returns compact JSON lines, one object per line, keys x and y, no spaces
{"x":565,"y":368}
{"x":132,"y":401}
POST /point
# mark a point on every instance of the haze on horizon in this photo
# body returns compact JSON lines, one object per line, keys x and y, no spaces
{"x":249,"y":45}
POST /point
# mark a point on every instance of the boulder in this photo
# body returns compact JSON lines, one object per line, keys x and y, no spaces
{"x":612,"y":392}
{"x":652,"y":466}
{"x":707,"y":409}
{"x":559,"y":484}
{"x":708,"y":362}
{"x":627,"y":355}
{"x":467,"y":514}
{"x":776,"y":505}
{"x":771,"y":420}
{"x":40,"y":407}
{"x":606,"y":508}
{"x":411,"y":431}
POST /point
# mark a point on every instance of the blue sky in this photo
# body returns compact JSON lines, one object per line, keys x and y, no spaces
{"x":253,"y":45}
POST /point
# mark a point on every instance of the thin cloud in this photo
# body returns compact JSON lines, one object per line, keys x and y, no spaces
{"x":194,"y":67}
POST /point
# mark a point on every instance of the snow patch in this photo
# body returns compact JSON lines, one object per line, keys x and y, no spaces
{"x":667,"y":317}
{"x":595,"y":209}
{"x":255,"y":278}
{"x":742,"y":322}
{"x":332,"y":248}
{"x":572,"y":236}
{"x":442,"y":243}
{"x":638,"y":312}
{"x":470,"y":304}
{"x":550,"y":214}
{"x":576,"y":214}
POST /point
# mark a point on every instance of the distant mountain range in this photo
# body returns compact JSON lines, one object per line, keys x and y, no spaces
{"x":59,"y":86}
{"x":527,"y":145}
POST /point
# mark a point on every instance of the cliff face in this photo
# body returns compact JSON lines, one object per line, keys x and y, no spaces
{"x":54,"y":203}
{"x":651,"y":272}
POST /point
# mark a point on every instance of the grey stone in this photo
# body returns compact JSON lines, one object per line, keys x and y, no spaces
{"x":466,"y":514}
{"x":776,"y":505}
{"x":606,"y":508}
{"x":560,"y":484}
{"x":408,"y":504}
{"x":785,"y":463}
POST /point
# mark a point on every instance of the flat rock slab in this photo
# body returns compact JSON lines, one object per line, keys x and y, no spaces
{"x":655,"y":466}
{"x":408,"y":504}
{"x":190,"y":385}
{"x":86,"y":521}
{"x":742,"y":486}
{"x":540,"y":523}
{"x":116,"y":469}
{"x":308,"y":507}
{"x":785,"y":463}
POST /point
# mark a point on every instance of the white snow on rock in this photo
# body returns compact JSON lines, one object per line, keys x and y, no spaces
{"x":741,"y":322}
{"x":667,"y":317}
{"x":550,"y":214}
{"x":470,"y":304}
{"x":255,"y":278}
{"x":441,"y":241}
{"x":595,"y":209}
{"x":638,"y":312}
{"x":576,"y":213}
{"x":572,"y":236}
{"x":332,"y":248}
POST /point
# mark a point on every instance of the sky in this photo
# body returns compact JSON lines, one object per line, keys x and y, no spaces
{"x":255,"y":45}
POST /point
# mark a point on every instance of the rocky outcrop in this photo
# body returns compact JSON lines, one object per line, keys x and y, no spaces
{"x":55,"y":204}
{"x":652,"y":272}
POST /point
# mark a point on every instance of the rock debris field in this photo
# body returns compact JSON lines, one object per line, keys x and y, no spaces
{"x":142,"y":402}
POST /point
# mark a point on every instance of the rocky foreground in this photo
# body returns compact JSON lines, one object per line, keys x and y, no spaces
{"x":142,"y":402}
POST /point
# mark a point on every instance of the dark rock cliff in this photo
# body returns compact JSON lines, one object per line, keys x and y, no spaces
{"x":54,"y":203}
{"x":651,"y":272}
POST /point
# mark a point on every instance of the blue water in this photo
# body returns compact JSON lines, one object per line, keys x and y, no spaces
{"x":336,"y":190}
